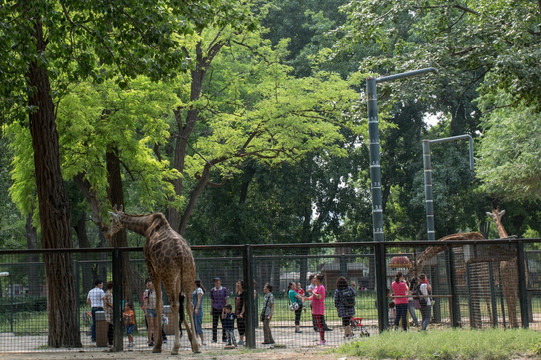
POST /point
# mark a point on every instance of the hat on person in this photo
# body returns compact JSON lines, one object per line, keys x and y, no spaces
{"x":217,"y":279}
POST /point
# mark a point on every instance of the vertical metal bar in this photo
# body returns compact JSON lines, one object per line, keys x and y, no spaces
{"x":429,"y":202}
{"x":381,"y":286}
{"x":375,"y":168}
{"x":77,"y":291}
{"x":436,"y":286}
{"x":454,"y":303}
{"x":502,"y":302}
{"x":11,"y":302}
{"x":493,"y":299}
{"x":470,"y":302}
{"x":118,"y":342}
{"x":343,"y":266}
{"x":250,"y":301}
{"x":522,"y":291}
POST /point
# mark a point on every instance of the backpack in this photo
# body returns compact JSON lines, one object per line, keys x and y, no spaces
{"x":417,"y":292}
{"x":348,"y":297}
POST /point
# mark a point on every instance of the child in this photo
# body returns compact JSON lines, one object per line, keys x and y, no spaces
{"x":392,"y":312}
{"x":300,"y":291}
{"x":228,"y":323}
{"x":129,"y":321}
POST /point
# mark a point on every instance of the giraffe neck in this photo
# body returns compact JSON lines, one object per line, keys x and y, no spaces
{"x":501,"y":230}
{"x":136,"y":223}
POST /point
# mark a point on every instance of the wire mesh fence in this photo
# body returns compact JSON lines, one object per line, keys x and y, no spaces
{"x":476,"y":284}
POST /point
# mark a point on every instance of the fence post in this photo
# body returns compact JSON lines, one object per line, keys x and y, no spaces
{"x":118,"y":341}
{"x":251,"y":313}
{"x":451,"y":278}
{"x":343,"y":266}
{"x":381,"y":286}
{"x":522,"y":291}
{"x":493,"y":299}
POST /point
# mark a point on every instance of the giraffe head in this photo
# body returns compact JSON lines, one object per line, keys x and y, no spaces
{"x":496,"y":215}
{"x":116,"y":225}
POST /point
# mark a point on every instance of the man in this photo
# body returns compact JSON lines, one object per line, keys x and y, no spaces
{"x":219,"y":297}
{"x":95,"y":300}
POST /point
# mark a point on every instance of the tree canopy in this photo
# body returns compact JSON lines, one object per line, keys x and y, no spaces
{"x":245,"y":121}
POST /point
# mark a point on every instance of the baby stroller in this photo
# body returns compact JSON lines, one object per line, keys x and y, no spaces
{"x":357,"y":323}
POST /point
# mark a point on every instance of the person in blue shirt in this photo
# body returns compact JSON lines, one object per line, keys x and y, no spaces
{"x":228,"y":324}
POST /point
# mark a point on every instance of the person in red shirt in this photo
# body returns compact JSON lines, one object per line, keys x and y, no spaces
{"x":400,"y":294}
{"x":129,"y":321}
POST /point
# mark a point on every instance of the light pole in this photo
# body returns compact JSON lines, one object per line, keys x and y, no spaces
{"x":429,"y":202}
{"x":375,"y":186}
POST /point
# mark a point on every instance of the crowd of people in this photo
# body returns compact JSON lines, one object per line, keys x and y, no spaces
{"x":406,"y":296}
{"x":409,"y":297}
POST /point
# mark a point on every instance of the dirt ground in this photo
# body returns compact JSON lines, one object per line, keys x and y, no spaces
{"x":234,"y":354}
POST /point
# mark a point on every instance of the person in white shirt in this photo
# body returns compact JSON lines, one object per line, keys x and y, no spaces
{"x":95,"y":300}
{"x":425,"y":301}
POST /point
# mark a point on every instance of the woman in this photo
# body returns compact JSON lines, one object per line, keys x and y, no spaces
{"x":240,"y":307}
{"x":150,"y":312}
{"x":425,"y":289}
{"x":267,"y":311}
{"x":108,"y":309}
{"x":411,"y":305}
{"x":318,"y":306}
{"x":400,"y":292}
{"x":344,"y":309}
{"x":197,"y":300}
{"x":295,"y":297}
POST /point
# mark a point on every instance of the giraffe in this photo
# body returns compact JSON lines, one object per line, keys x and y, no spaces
{"x":509,"y":271}
{"x":432,"y":251}
{"x":169,"y":260}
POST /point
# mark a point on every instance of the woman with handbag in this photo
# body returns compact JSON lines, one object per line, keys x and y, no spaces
{"x":295,"y":305}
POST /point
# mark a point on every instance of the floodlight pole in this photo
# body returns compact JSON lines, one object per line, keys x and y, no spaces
{"x":429,"y":202}
{"x":375,"y":186}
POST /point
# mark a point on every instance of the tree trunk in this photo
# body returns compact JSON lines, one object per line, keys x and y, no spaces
{"x":54,"y":208}
{"x":202,"y":61}
{"x":84,"y":243}
{"x":33,"y":269}
{"x":115,"y":192}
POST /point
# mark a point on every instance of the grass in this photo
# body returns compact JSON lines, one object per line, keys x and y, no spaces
{"x":492,"y":344}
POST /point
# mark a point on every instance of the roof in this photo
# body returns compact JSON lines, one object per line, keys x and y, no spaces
{"x":350,"y":266}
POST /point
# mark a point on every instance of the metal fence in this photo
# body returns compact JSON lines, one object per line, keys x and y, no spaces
{"x":476,"y":284}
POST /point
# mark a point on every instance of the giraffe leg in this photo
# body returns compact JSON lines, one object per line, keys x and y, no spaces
{"x":188,"y":284}
{"x":172,"y":289}
{"x":190,"y":330}
{"x":159,"y":305}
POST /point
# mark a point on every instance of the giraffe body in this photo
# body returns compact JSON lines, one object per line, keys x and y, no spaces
{"x":169,"y":261}
{"x":509,"y":271}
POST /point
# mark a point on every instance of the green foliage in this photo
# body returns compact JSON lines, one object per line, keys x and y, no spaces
{"x":510,"y":152}
{"x":489,"y":344}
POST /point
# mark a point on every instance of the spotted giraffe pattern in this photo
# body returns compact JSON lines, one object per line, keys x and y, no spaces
{"x":432,"y":251}
{"x":169,"y":260}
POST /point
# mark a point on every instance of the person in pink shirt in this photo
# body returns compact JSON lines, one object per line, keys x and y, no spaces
{"x":318,"y":306}
{"x":400,"y":292}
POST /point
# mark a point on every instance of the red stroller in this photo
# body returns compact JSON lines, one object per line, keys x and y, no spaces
{"x":357,"y":322}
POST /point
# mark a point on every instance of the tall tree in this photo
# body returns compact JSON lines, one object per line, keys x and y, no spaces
{"x":48,"y":39}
